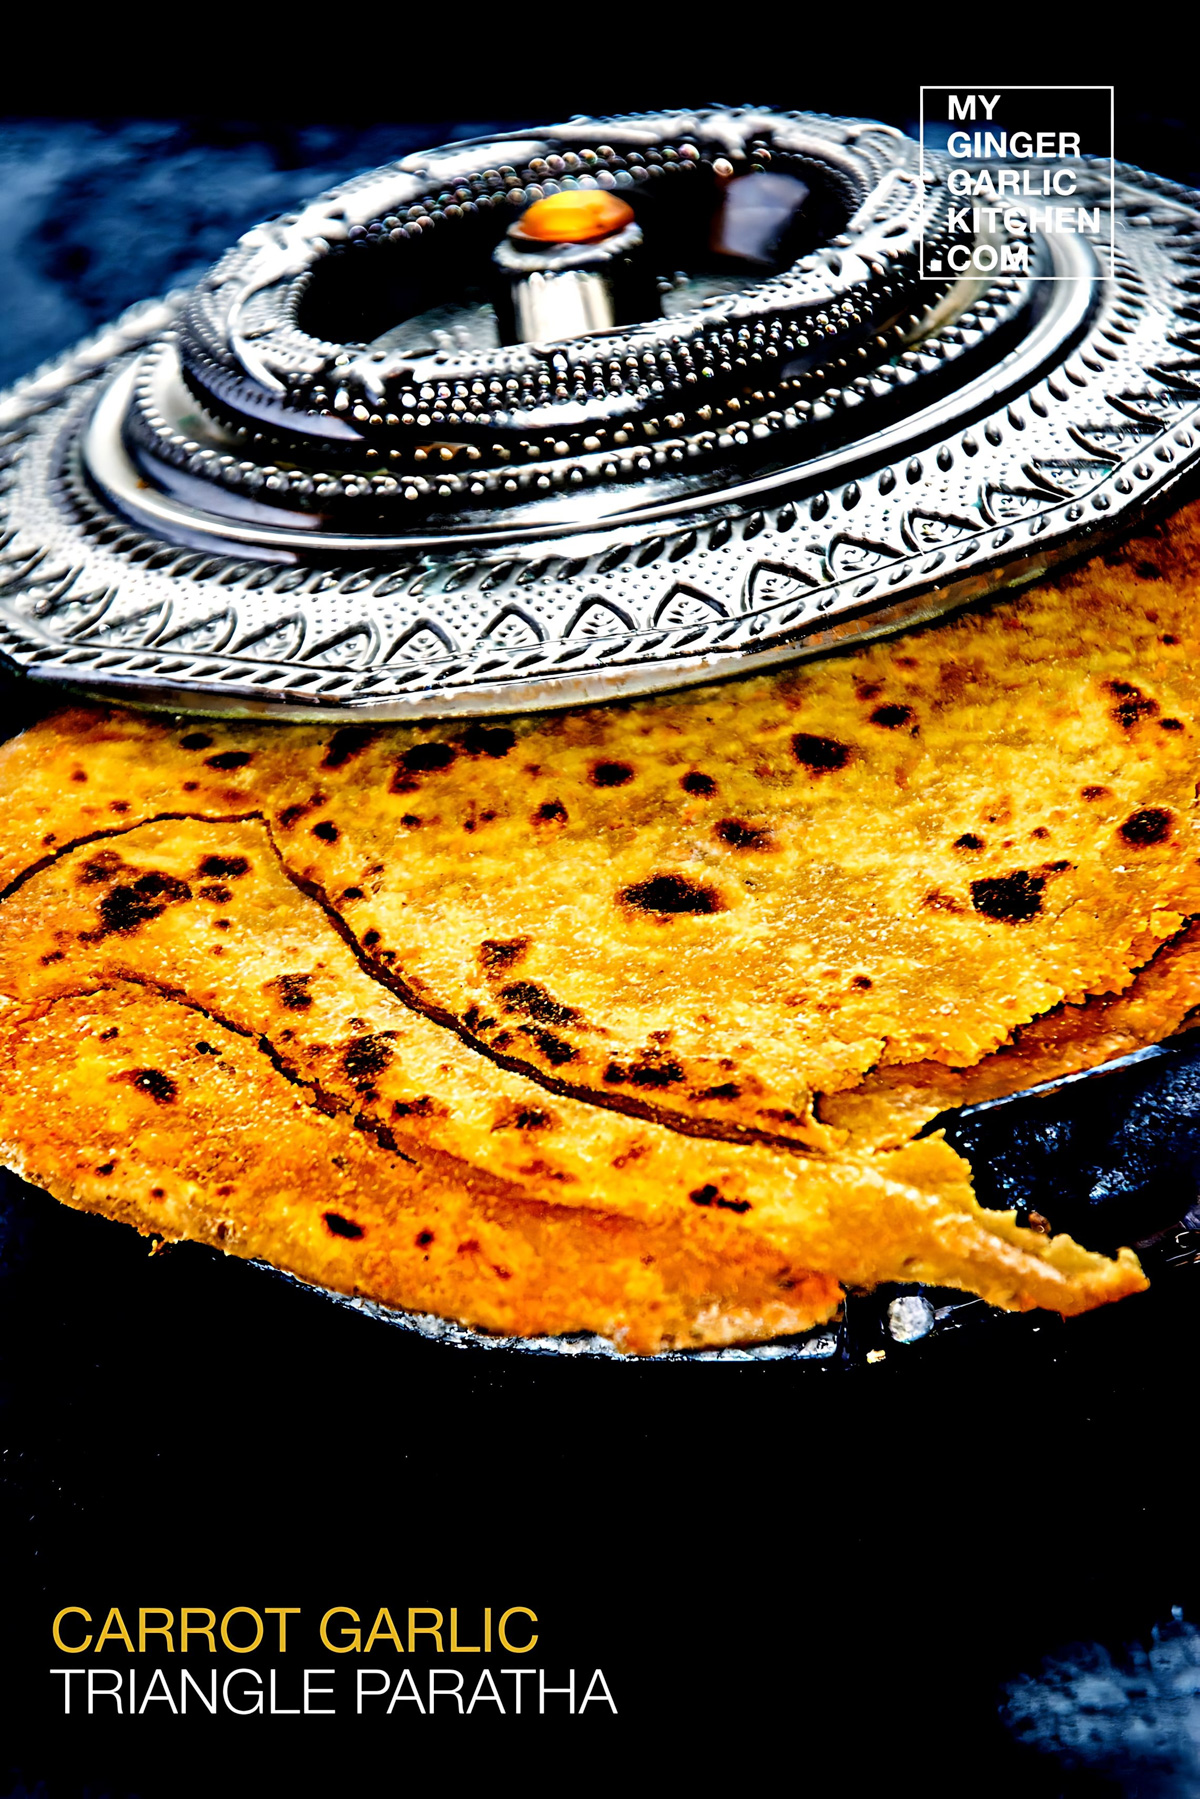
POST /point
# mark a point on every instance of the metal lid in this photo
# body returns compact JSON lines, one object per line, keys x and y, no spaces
{"x":345,"y":473}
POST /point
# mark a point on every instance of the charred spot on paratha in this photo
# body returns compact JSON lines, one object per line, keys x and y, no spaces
{"x":342,"y":1227}
{"x":428,"y":758}
{"x":533,"y":1001}
{"x":100,"y":869}
{"x":347,"y":743}
{"x":1132,"y":704}
{"x":550,"y":812}
{"x":1150,"y":825}
{"x":161,"y":1088}
{"x":652,"y":1069}
{"x":892,"y":718}
{"x":820,"y":755}
{"x":667,"y":894}
{"x":610,"y":774}
{"x":224,"y":868}
{"x":293,"y":991}
{"x":290,"y":814}
{"x":124,"y":909}
{"x":700,"y":784}
{"x":1012,"y":898}
{"x":496,"y":955}
{"x":524,"y":1118}
{"x":708,"y":1195}
{"x":424,"y":1107}
{"x":740,"y":835}
{"x":489,"y":740}
{"x":365,"y":1059}
{"x":421,"y":759}
{"x":556,"y":1051}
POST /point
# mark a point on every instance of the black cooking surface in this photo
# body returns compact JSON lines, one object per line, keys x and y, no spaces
{"x":845,"y":1560}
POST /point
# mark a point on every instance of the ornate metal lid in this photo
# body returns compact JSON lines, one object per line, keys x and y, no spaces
{"x":615,"y":406}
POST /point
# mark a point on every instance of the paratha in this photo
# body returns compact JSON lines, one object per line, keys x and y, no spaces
{"x":702,"y":964}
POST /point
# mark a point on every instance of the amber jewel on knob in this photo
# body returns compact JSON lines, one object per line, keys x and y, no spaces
{"x":576,"y":216}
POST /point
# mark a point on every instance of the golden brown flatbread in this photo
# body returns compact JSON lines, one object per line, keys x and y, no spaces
{"x":204,"y":915}
{"x":708,"y":959}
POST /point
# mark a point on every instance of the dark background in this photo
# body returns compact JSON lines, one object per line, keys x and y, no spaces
{"x":829,"y":1573}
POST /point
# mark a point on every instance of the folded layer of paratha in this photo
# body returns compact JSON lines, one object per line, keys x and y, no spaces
{"x":185,"y":1129}
{"x":892,"y":1104}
